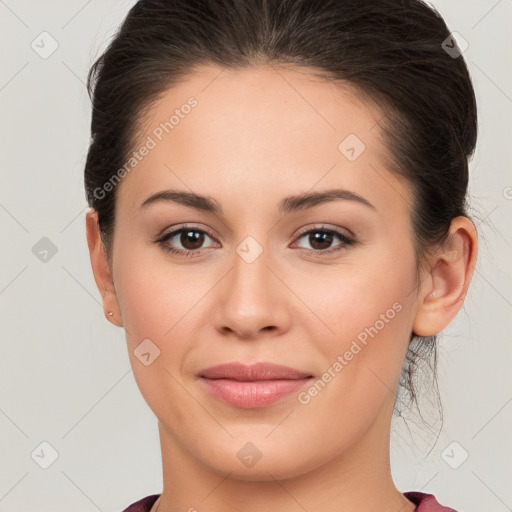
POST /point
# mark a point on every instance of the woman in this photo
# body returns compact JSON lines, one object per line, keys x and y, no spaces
{"x":278,"y":221}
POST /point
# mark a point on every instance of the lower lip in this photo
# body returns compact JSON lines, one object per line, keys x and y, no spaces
{"x":252,"y":394}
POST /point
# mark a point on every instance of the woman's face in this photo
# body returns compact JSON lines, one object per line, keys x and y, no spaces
{"x":267,"y":279}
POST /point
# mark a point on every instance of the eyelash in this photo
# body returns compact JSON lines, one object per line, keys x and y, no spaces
{"x":346,"y":241}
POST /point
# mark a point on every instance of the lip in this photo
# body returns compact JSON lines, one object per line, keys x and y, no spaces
{"x":252,"y":386}
{"x":253,"y":372}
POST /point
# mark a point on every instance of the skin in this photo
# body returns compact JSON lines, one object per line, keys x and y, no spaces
{"x":257,"y":136}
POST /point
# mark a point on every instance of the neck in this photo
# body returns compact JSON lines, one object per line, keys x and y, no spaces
{"x":357,"y":480}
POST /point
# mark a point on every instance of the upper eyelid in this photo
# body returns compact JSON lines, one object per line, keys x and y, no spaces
{"x":166,"y":235}
{"x":302,"y":231}
{"x":324,"y":227}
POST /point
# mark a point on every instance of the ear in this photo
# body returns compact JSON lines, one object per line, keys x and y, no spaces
{"x":101,"y":268}
{"x":443,"y":288}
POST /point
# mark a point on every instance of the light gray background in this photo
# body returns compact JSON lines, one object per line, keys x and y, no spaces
{"x":65,"y":373}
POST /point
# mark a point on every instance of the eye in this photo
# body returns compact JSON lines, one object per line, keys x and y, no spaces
{"x":190,"y":239}
{"x":321,"y":240}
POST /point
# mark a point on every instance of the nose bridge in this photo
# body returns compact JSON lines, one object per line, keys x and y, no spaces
{"x":250,"y":299}
{"x":250,"y":275}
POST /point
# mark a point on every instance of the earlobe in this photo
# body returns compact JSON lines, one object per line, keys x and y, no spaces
{"x":444,"y":288}
{"x":101,"y":269}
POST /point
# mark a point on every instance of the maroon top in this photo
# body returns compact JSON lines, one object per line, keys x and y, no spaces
{"x":424,"y":502}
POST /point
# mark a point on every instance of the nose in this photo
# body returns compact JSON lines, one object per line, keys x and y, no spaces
{"x":251,"y":300}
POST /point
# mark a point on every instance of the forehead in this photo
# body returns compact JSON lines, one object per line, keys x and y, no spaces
{"x":265,"y":100}
{"x":261,"y":128}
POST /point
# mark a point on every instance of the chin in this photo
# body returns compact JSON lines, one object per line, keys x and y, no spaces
{"x":268,"y":464}
{"x":261,"y":472}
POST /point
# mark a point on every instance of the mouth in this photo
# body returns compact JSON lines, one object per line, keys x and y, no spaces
{"x":252,"y":386}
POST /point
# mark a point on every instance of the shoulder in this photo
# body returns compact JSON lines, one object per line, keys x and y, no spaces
{"x":143,"y":505}
{"x":426,"y":502}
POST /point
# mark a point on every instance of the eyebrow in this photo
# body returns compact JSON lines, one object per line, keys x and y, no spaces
{"x":287,"y":205}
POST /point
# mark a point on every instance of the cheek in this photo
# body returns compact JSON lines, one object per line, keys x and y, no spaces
{"x":155,"y":296}
{"x":157,"y":304}
{"x":348,"y":299}
{"x":367,"y":308}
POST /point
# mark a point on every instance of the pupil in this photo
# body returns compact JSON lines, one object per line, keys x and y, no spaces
{"x":192,"y":240}
{"x":320,"y":237}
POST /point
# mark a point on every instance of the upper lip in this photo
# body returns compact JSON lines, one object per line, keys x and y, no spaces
{"x":252,"y":372}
